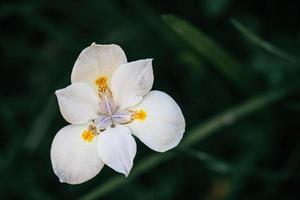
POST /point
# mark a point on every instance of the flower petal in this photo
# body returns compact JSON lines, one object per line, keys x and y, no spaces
{"x":97,"y":60}
{"x":78,"y":103}
{"x":117,"y":148}
{"x":131,"y":81}
{"x":74,"y":160}
{"x":163,"y":123}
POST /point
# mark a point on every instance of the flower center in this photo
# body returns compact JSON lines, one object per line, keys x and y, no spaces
{"x":110,"y":115}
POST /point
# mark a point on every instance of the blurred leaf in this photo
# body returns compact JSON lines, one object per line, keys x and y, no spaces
{"x":210,"y":50}
{"x":252,"y":37}
{"x":197,"y":134}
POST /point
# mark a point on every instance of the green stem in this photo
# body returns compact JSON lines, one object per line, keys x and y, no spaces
{"x":197,"y":134}
{"x":251,"y":36}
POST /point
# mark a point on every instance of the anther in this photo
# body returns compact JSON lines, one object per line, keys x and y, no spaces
{"x":101,"y":82}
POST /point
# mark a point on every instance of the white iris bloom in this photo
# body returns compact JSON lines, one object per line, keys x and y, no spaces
{"x":108,"y":101}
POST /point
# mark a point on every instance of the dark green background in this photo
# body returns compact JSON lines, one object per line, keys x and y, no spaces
{"x":256,"y":157}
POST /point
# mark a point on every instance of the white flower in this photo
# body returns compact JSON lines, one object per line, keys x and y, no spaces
{"x":108,"y":101}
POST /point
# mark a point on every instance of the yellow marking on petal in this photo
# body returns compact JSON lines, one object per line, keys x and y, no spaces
{"x":88,"y":135}
{"x":101,"y":82}
{"x":139,"y":115}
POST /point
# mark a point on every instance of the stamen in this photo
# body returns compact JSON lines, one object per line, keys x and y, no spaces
{"x":139,"y":115}
{"x":92,"y":127}
{"x":89,"y":134}
{"x":101,"y":82}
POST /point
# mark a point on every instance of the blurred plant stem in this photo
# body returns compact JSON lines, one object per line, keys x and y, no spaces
{"x":253,"y":38}
{"x":221,"y":166}
{"x":192,"y":137}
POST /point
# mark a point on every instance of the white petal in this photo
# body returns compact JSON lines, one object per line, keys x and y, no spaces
{"x":131,"y":81}
{"x":74,"y":160}
{"x":97,"y":60}
{"x":164,"y":125}
{"x":78,"y":103}
{"x":117,"y":148}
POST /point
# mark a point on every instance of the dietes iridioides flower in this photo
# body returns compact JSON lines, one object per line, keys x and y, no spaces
{"x":108,"y":101}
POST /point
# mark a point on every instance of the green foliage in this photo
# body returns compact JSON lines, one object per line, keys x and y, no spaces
{"x":208,"y":49}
